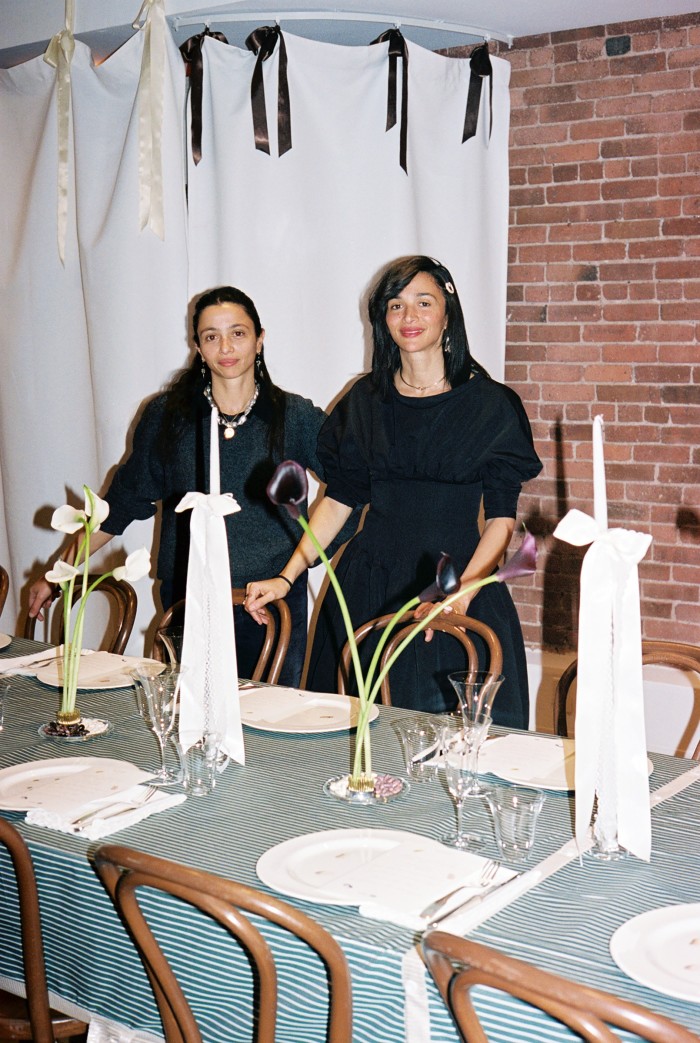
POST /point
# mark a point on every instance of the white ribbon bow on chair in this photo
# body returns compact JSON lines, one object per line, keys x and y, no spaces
{"x":611,"y":757}
{"x":209,"y":685}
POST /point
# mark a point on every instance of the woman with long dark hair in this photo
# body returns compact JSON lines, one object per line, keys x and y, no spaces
{"x":259,"y":425}
{"x":425,"y":439}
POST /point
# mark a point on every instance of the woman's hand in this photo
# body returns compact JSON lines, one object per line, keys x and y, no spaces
{"x":260,"y":592}
{"x":461,"y":605}
{"x":41,"y":594}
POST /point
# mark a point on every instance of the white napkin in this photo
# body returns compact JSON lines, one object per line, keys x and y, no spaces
{"x":22,"y":664}
{"x":209,"y":687}
{"x":400,"y":883}
{"x":610,"y":737}
{"x":106,"y":818}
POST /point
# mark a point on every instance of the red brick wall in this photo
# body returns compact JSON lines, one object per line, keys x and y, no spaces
{"x":604,"y":304}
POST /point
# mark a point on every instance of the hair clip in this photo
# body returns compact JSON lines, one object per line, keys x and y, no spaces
{"x":449,"y":287}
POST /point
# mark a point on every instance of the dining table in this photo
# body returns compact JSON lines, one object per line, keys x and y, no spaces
{"x":564,"y":924}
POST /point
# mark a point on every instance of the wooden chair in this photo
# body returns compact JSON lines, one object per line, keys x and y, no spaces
{"x":276,"y":644}
{"x":663,"y":653}
{"x":124,"y":871}
{"x":31,"y":1018}
{"x":448,"y":622}
{"x":458,"y":964}
{"x":122,"y":597}
{"x":4,"y":587}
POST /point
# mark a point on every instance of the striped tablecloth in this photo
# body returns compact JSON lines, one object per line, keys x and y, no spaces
{"x":563,"y":925}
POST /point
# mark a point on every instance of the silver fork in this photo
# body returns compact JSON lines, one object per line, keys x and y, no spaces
{"x":488,"y":872}
{"x":116,"y":809}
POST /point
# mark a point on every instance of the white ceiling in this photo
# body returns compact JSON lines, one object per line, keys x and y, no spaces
{"x":27,"y":25}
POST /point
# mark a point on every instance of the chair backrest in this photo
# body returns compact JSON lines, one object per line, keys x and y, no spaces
{"x":39,"y":1011}
{"x":663,"y":653}
{"x":4,"y":587}
{"x":449,"y":623}
{"x":278,"y":632}
{"x":123,"y":601}
{"x":124,"y":871}
{"x":458,"y":964}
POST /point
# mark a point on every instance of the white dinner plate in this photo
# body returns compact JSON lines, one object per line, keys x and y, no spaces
{"x":532,"y":760}
{"x":5,"y":640}
{"x":100,"y":670}
{"x":288,"y":710}
{"x":54,"y":783}
{"x":661,"y":949}
{"x":314,"y":866}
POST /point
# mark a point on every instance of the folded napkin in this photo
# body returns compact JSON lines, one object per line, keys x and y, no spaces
{"x":397,"y":885}
{"x":26,"y":664}
{"x":98,"y":818}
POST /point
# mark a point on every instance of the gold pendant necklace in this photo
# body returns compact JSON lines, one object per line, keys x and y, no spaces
{"x":417,"y":387}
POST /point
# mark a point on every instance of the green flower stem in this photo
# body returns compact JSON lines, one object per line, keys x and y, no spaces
{"x":423,"y":624}
{"x":341,"y":601}
{"x":73,"y":639}
{"x":385,"y":637}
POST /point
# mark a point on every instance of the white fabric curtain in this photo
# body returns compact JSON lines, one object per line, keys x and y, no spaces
{"x":83,"y":344}
{"x":307,"y":233}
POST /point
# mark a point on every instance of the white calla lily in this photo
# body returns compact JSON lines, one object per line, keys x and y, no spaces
{"x":68,"y":519}
{"x":95,"y":508}
{"x":62,"y":572}
{"x":135,"y":567}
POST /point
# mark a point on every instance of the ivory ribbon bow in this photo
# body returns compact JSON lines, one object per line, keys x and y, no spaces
{"x":59,"y":55}
{"x":611,"y":755}
{"x":209,"y":686}
{"x":150,"y":96}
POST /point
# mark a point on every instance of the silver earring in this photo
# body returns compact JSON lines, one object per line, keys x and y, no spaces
{"x":204,"y":369}
{"x":446,"y":347}
{"x":258,"y":362}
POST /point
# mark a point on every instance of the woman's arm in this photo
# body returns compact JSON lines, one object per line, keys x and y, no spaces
{"x":41,"y":593}
{"x":327,"y":520}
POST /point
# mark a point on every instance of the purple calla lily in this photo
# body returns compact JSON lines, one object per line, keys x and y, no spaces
{"x":523,"y":562}
{"x":446,"y":581}
{"x":288,"y":487}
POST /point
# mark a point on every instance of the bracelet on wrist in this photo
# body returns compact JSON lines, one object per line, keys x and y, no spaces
{"x":288,"y":581}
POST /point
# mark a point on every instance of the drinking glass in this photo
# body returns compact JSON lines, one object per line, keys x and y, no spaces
{"x":171,"y":638}
{"x":460,"y":749}
{"x":515,"y":810}
{"x":160,"y":698}
{"x":476,"y":691}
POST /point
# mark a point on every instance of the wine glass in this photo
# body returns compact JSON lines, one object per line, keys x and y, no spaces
{"x":476,"y":691}
{"x":158,"y":707}
{"x":460,"y":749}
{"x":171,"y":638}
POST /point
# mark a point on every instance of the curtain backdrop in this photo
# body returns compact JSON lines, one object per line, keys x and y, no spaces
{"x":85,"y":343}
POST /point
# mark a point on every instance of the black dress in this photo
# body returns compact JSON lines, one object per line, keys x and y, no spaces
{"x":424,"y":465}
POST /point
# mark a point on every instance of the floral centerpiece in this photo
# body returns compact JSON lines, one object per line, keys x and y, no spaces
{"x":288,"y":488}
{"x":70,"y":520}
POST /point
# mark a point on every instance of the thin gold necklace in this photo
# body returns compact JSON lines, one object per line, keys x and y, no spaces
{"x":417,"y":387}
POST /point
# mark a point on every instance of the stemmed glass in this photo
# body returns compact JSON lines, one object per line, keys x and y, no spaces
{"x":171,"y":638}
{"x":476,"y":692}
{"x":460,"y":750}
{"x":158,"y":706}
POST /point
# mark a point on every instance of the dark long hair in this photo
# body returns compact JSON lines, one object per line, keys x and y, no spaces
{"x":185,"y":395}
{"x":386,"y":360}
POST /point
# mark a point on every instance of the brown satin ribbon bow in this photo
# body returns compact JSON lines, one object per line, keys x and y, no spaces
{"x":480,"y":65}
{"x":191,"y":51}
{"x":262,"y":42}
{"x":397,"y":49}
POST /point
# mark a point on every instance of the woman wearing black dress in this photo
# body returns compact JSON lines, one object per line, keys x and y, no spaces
{"x":424,"y":439}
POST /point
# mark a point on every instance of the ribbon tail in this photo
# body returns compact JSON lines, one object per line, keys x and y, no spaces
{"x":284,"y":113}
{"x":150,"y":108}
{"x":59,"y":54}
{"x":480,"y":66}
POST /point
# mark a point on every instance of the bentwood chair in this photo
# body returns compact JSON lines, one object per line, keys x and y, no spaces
{"x":449,"y":623}
{"x":4,"y":587}
{"x":662,"y":653}
{"x":458,"y":964}
{"x":122,"y":597}
{"x":278,"y":632}
{"x":31,"y":1018}
{"x":125,"y":872}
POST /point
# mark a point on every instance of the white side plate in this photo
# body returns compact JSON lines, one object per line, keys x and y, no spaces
{"x":661,"y":949}
{"x":287,"y":710}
